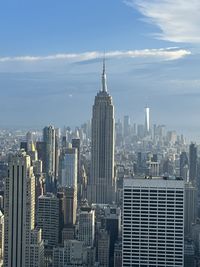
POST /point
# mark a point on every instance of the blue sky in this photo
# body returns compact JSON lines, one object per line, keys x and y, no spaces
{"x":51,"y":53}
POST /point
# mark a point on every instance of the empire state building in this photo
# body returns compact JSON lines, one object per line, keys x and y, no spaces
{"x":102,"y":184}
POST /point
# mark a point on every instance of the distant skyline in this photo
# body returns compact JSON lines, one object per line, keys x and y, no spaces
{"x":51,"y":61}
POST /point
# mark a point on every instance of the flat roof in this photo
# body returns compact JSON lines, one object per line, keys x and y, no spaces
{"x":155,"y":182}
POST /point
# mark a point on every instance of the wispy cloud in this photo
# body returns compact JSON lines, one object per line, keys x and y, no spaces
{"x":178,"y":20}
{"x":170,"y":53}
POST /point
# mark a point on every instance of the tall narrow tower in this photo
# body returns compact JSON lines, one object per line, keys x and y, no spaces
{"x":19,"y":211}
{"x":102,"y":180}
{"x":49,"y":138}
{"x":193,"y":163}
{"x":147,"y":120}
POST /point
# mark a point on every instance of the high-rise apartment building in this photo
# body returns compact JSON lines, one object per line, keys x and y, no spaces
{"x":153,"y":222}
{"x":102,"y":181}
{"x":19,"y":210}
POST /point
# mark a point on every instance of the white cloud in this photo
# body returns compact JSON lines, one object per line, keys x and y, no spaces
{"x":178,"y":20}
{"x":170,"y":53}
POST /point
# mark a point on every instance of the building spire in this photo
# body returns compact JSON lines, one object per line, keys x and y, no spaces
{"x":104,"y":83}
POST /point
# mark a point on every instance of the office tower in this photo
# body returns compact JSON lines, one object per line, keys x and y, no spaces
{"x":193,"y":163}
{"x":126,"y":126}
{"x":84,"y":181}
{"x":190,"y":208}
{"x":48,"y":219}
{"x":153,"y":222}
{"x":102,"y":184}
{"x":19,"y":210}
{"x":36,"y":249}
{"x":86,"y":229}
{"x":147,"y":120}
{"x":57,"y":153}
{"x":49,"y":138}
{"x":184,"y":165}
{"x":69,"y":168}
{"x":39,"y":181}
{"x":70,"y":206}
{"x":76,"y":143}
{"x":1,"y":237}
{"x":103,"y":248}
{"x":113,"y":227}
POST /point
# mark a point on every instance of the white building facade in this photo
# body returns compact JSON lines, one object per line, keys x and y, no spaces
{"x":153,"y":223}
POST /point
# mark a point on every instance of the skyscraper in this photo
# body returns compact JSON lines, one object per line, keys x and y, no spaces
{"x":76,"y":143}
{"x":147,"y":120}
{"x":193,"y":163}
{"x":153,"y":222}
{"x":103,"y":250}
{"x":113,"y":227}
{"x":70,"y":206}
{"x":190,"y":208}
{"x":86,"y":230}
{"x":102,"y":181}
{"x":19,"y":211}
{"x":51,"y":157}
{"x":69,"y":168}
{"x":48,"y":219}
